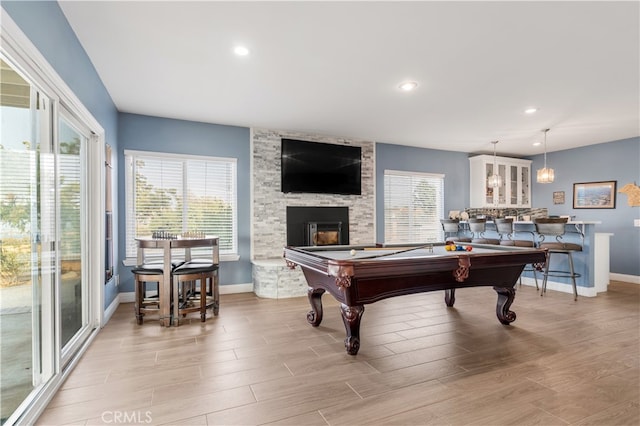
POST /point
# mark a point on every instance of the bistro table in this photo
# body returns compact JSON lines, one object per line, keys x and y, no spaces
{"x":167,"y":245}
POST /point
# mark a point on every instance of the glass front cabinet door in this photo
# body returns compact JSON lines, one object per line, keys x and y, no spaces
{"x":514,"y":189}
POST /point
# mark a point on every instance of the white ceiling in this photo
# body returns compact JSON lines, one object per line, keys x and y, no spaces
{"x":334,"y":68}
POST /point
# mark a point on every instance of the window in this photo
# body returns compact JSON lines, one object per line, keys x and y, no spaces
{"x":413,"y":206}
{"x":180,"y":193}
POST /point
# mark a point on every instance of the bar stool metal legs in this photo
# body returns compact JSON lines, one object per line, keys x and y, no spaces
{"x":571,"y":273}
{"x":555,"y":227}
{"x":507,"y":232}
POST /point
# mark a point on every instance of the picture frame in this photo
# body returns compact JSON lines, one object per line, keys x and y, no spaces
{"x":558,"y":197}
{"x":594,"y":195}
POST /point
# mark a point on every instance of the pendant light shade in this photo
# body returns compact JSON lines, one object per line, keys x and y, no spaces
{"x":495,"y":180}
{"x":545,"y":175}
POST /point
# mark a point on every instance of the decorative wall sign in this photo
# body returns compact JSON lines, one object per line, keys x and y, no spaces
{"x":633,"y":194}
{"x":594,"y":195}
{"x":558,"y":197}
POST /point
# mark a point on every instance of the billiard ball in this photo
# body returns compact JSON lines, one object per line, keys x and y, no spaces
{"x":352,"y":252}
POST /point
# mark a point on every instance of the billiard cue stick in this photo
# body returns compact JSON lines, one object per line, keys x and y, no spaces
{"x":393,"y":252}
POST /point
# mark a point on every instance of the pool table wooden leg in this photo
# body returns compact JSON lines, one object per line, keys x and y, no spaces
{"x":450,"y":296}
{"x":505,"y":299}
{"x":314,"y":316}
{"x":351,"y":316}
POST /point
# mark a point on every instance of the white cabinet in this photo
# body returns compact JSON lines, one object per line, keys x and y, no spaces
{"x":515,"y":190}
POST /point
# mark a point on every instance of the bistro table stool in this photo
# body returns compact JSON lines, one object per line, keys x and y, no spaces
{"x":555,"y":228}
{"x":144,"y":302}
{"x":507,"y":233}
{"x":188,"y":296}
{"x":478,"y":228}
{"x":451,"y":228}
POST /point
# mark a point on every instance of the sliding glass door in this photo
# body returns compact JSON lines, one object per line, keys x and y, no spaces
{"x":27,"y":223}
{"x":45,"y":309}
{"x":74,"y":292}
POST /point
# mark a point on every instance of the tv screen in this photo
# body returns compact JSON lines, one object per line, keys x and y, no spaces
{"x":320,"y":167}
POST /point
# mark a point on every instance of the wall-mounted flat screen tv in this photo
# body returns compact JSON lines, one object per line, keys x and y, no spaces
{"x":320,"y":167}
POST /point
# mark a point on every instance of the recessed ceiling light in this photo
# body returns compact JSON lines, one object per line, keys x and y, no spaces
{"x":537,"y":143}
{"x":530,"y":110}
{"x":408,"y":86}
{"x":241,"y":51}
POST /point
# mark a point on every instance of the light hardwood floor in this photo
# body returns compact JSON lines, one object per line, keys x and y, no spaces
{"x":561,"y":362}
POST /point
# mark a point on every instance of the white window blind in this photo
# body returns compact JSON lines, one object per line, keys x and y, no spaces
{"x":413,"y":207}
{"x":180,"y":193}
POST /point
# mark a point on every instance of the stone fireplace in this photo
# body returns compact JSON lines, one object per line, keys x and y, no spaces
{"x":270,"y":213}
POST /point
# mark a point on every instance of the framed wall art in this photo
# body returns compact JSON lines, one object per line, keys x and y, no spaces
{"x":594,"y":195}
{"x":558,"y":197}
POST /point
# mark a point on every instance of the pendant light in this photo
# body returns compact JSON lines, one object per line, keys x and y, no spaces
{"x":495,"y":180}
{"x":545,"y":175}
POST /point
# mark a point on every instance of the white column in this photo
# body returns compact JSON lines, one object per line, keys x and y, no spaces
{"x":601,"y":261}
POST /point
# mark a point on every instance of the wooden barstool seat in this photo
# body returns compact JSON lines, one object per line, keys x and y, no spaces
{"x":188,"y":296}
{"x":148,"y":300}
{"x":145,"y":302}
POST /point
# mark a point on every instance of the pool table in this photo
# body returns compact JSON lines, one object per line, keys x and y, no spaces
{"x":358,"y":275}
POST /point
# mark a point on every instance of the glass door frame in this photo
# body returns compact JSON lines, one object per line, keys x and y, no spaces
{"x":22,"y":54}
{"x":68,"y":349}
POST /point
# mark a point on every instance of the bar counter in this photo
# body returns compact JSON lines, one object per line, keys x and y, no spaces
{"x":592,"y":263}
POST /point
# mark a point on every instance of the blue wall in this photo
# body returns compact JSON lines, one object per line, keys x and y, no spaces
{"x":46,"y":26}
{"x":454,"y":165}
{"x":619,"y":161}
{"x":144,"y":133}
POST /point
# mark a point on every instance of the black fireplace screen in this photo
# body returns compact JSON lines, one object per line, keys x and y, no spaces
{"x":314,"y":226}
{"x":323,"y":233}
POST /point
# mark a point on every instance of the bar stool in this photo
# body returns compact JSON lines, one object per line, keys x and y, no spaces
{"x":188,"y":296}
{"x":478,"y":227}
{"x":507,"y":234}
{"x":555,"y":227}
{"x":151,"y":271}
{"x":451,"y":228}
{"x":145,"y":303}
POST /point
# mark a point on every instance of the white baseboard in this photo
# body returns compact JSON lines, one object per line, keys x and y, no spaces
{"x":582,"y":291}
{"x":561,"y":287}
{"x":111,"y":309}
{"x":633,"y":279}
{"x":128,"y":297}
{"x":236,"y":288}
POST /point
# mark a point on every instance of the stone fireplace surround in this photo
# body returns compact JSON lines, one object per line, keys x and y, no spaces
{"x":271,"y":277}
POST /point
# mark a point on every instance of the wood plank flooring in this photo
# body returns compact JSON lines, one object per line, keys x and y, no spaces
{"x":420,"y":363}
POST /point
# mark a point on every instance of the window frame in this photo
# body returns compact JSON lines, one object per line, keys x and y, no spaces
{"x":129,"y":193}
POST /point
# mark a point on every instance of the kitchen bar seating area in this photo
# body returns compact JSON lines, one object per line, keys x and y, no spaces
{"x":587,"y":273}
